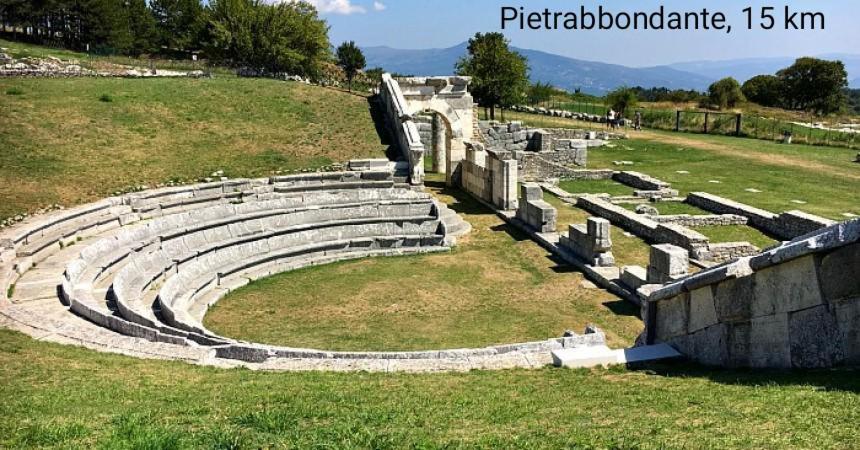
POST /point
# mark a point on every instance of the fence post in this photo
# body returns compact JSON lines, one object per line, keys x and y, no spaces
{"x":738,"y":125}
{"x":706,"y":121}
{"x":678,"y":120}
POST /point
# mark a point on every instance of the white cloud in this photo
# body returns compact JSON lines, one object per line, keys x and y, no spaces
{"x":378,"y":6}
{"x":337,"y":7}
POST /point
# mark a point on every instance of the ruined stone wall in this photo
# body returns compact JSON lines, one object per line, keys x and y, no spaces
{"x":490,"y":176}
{"x":646,"y":228}
{"x":640,"y":181}
{"x":787,"y":225}
{"x":794,"y":306}
{"x":688,"y":220}
{"x":402,"y":128}
{"x":424,"y":123}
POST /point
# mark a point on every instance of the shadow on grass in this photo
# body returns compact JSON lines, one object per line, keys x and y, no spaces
{"x":839,"y":379}
{"x":623,"y":308}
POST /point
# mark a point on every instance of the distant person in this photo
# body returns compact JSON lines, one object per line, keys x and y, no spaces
{"x":637,"y":121}
{"x":610,"y":118}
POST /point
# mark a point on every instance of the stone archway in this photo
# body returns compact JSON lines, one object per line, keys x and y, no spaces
{"x":448,"y":99}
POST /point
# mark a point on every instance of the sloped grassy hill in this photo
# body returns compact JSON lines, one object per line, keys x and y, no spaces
{"x":69,"y":141}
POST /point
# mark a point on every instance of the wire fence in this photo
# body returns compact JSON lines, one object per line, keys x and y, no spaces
{"x":720,"y":123}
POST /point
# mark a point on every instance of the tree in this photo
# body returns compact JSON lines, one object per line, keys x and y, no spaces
{"x":814,"y":85}
{"x":180,"y":23}
{"x":499,"y":75}
{"x":104,"y":26}
{"x":540,"y":92}
{"x":766,"y":90}
{"x":725,"y":93}
{"x":622,"y":99}
{"x":288,"y":37}
{"x":351,"y":60}
{"x":141,"y":23}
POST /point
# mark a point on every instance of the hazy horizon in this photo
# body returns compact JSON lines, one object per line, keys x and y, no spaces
{"x":418,"y":24}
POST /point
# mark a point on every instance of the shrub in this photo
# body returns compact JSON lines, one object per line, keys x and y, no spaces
{"x":106,"y":98}
{"x":14,"y":91}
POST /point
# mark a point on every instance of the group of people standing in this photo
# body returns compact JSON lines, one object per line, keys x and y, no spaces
{"x":615,"y":120}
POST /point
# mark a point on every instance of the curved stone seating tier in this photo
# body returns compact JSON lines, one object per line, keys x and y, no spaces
{"x":192,"y":283}
{"x":138,"y":272}
{"x":142,"y":271}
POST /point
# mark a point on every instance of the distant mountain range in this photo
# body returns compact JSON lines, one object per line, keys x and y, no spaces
{"x":594,"y":77}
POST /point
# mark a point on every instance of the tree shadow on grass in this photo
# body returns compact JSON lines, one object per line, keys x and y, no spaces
{"x":837,"y":380}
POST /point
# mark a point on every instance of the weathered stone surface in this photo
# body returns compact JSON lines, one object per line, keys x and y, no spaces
{"x":672,"y":317}
{"x":815,"y":338}
{"x":787,"y":287}
{"x":733,"y":299}
{"x":667,"y":263}
{"x":769,"y":342}
{"x":848,"y":319}
{"x":703,"y":313}
{"x":840,"y":273}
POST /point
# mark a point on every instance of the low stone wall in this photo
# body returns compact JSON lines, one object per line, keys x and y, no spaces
{"x":728,"y":251}
{"x":490,"y":176}
{"x":537,"y":167}
{"x":794,"y":306}
{"x":640,"y":181}
{"x":787,"y":225}
{"x":701,"y":221}
{"x":664,"y":233}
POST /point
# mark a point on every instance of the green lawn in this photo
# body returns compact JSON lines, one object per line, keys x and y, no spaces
{"x":825,"y":178}
{"x":821,"y":177}
{"x":64,"y":397}
{"x":72,"y":147}
{"x":628,"y":250}
{"x":737,"y":233}
{"x":496,"y":287}
{"x":610,"y":187}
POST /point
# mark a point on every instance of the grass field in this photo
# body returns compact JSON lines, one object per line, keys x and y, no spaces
{"x":825,"y":178}
{"x":496,"y":287}
{"x":72,"y":141}
{"x":64,"y":397}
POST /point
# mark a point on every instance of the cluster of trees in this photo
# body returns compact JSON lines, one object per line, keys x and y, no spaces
{"x":853,"y":100}
{"x":272,"y":37}
{"x":809,"y":84}
{"x":130,"y":27}
{"x":267,"y":36}
{"x":662,"y":94}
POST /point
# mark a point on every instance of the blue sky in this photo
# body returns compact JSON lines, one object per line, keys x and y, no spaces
{"x":445,"y":23}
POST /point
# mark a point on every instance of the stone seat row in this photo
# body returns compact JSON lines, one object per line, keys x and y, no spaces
{"x":189,"y":246}
{"x":144,"y":270}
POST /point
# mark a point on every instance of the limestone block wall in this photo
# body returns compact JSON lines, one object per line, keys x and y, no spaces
{"x":534,"y":211}
{"x":490,"y":176}
{"x":701,"y":221}
{"x":794,"y":306}
{"x":591,"y":242}
{"x":787,"y":225}
{"x":424,"y":123}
